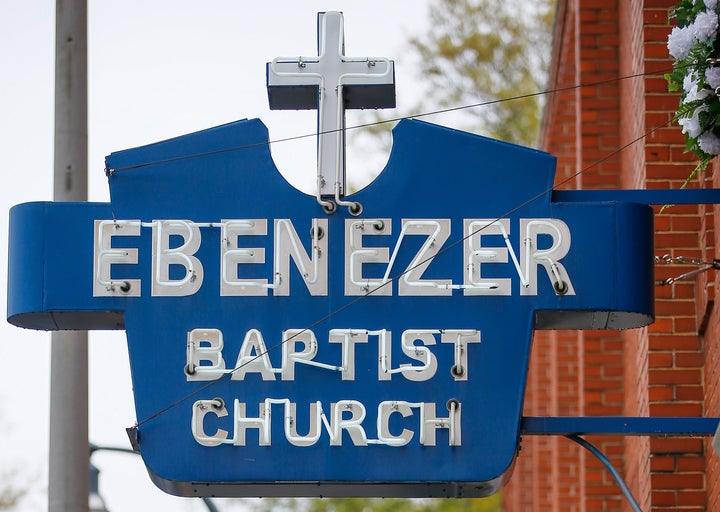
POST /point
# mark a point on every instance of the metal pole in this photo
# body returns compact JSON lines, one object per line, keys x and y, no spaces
{"x":69,"y":473}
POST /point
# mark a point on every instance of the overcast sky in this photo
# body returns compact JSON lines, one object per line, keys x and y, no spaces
{"x":157,"y":69}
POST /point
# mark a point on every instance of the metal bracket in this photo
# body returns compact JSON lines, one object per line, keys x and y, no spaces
{"x":705,"y":266}
{"x":132,"y":433}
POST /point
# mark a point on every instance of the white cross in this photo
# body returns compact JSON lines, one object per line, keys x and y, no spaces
{"x":331,"y":83}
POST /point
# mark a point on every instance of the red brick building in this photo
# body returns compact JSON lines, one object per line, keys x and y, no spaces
{"x":617,"y":129}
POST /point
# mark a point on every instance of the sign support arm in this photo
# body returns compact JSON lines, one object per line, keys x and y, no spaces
{"x":618,"y":426}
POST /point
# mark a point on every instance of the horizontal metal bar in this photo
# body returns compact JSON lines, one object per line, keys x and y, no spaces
{"x":618,"y":425}
{"x":660,"y":196}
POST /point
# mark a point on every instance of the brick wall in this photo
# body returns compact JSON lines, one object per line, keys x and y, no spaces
{"x":675,"y":354}
{"x":632,"y":158}
{"x":619,"y":133}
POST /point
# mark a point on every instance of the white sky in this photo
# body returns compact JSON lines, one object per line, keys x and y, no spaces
{"x":157,"y":69}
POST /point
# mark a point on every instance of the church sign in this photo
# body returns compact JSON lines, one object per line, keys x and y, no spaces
{"x":289,"y":345}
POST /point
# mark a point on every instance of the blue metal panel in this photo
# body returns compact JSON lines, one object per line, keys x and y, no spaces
{"x":49,"y":287}
{"x":433,"y":173}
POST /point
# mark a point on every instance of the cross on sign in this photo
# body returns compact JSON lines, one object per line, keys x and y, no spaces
{"x":331,"y":83}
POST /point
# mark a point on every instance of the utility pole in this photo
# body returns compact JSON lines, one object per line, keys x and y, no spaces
{"x":69,"y":464}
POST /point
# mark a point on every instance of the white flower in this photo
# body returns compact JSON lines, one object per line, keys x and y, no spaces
{"x":712,"y":76}
{"x":690,"y":82}
{"x":691,"y":125}
{"x":698,"y":90}
{"x":680,"y":41}
{"x":710,"y":143}
{"x":695,"y":93}
{"x":692,"y":89}
{"x":705,"y":26}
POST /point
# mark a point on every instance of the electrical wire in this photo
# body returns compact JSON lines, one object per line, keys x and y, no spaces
{"x":447,"y":110}
{"x":608,"y":465}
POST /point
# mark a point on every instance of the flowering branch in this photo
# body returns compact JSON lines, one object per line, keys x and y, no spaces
{"x":694,"y":45}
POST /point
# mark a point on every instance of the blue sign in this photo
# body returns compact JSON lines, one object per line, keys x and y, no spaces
{"x":279,"y":350}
